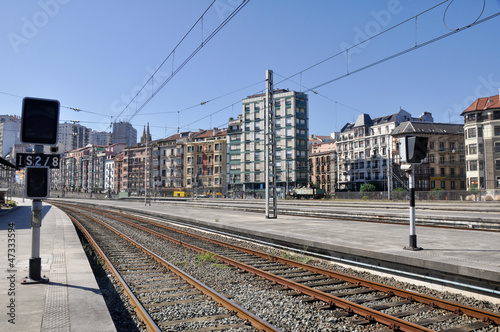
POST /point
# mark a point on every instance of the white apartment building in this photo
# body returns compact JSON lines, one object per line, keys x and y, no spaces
{"x":246,"y":144}
{"x":482,"y":144}
{"x":10,"y":127}
{"x":365,"y":150}
{"x":73,"y":136}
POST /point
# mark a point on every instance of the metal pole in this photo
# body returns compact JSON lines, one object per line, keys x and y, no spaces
{"x":413,"y":233}
{"x":270,"y":146}
{"x":146,"y":175}
{"x":35,"y":262}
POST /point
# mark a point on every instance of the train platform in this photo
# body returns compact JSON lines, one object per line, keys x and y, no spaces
{"x":469,"y":257}
{"x":71,"y":300}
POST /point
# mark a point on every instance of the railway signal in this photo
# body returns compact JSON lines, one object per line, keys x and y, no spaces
{"x":37,"y":182}
{"x":413,"y":149}
{"x":39,"y":124}
{"x":39,"y":121}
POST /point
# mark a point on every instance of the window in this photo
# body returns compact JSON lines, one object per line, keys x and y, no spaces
{"x":473,"y":165}
{"x":452,"y":184}
{"x":497,"y":165}
{"x":497,"y":147}
{"x":471,"y":133}
{"x":497,"y":130}
{"x":443,"y":184}
{"x":472,"y":148}
{"x":431,"y":145}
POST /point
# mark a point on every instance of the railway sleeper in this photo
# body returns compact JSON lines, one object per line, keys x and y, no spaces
{"x":193,"y":320}
{"x":437,"y":319}
{"x":467,"y":327}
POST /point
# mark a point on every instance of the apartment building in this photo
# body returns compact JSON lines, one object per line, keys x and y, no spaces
{"x":482,"y":144}
{"x":205,"y":163}
{"x":444,"y":167}
{"x":10,"y":127}
{"x":323,"y":164}
{"x":171,"y":152}
{"x":73,"y":136}
{"x":246,"y":142}
{"x":365,"y":150}
{"x":124,"y":132}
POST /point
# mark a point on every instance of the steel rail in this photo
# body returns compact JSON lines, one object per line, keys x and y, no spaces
{"x":241,"y":312}
{"x":141,"y":312}
{"x":487,"y":317}
{"x":367,"y":313}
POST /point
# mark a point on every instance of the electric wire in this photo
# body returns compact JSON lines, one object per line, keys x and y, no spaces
{"x":446,"y":10}
{"x":362,"y":42}
{"x":393,"y":56}
{"x":203,"y":43}
{"x":172,"y":53}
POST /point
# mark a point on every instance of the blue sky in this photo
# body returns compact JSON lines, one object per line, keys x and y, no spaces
{"x":95,"y":55}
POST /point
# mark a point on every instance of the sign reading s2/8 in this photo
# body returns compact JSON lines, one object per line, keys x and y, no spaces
{"x":38,"y":159}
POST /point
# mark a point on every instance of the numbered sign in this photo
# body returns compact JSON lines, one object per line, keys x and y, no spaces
{"x":38,"y":160}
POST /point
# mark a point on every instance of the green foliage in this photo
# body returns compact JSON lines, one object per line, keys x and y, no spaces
{"x":11,"y":204}
{"x":399,"y":193}
{"x":437,"y":193}
{"x":473,"y":189}
{"x":378,"y":185}
{"x":296,"y":258}
{"x":367,"y":187}
{"x":364,"y":198}
{"x":207,"y":257}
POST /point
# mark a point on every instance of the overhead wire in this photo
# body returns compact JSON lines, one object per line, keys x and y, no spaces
{"x":203,"y":43}
{"x":346,"y":51}
{"x":393,"y":56}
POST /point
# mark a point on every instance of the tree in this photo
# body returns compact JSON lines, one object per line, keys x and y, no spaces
{"x":367,"y":187}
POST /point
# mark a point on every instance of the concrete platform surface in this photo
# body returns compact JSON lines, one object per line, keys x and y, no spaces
{"x":71,"y":300}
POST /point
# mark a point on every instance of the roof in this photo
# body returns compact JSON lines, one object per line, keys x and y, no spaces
{"x":363,"y":120}
{"x":483,"y":104}
{"x":409,"y":127}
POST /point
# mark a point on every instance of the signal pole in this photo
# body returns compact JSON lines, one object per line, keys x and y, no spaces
{"x":413,"y":232}
{"x":35,"y":262}
{"x":39,"y":124}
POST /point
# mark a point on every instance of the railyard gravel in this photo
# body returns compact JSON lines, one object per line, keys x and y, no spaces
{"x":290,"y":313}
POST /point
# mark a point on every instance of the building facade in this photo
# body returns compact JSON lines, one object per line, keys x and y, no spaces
{"x":73,"y":136}
{"x":482,"y":144}
{"x":246,"y":144}
{"x":100,"y":138}
{"x":365,"y":150}
{"x":172,"y":161}
{"x":205,"y":163}
{"x":323,"y":166}
{"x":125,"y":133}
{"x":444,"y":166}
{"x":10,"y":127}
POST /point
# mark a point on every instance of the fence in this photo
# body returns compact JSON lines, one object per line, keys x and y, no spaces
{"x":457,"y":195}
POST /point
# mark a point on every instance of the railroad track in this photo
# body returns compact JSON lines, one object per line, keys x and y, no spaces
{"x":395,"y":308}
{"x":154,"y":285}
